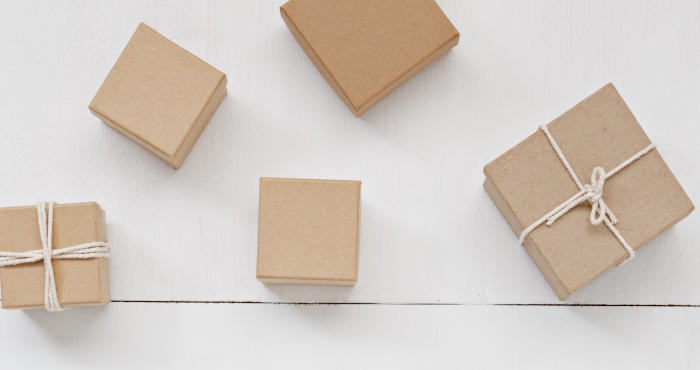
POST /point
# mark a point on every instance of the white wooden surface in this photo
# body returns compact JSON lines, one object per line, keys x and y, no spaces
{"x":429,"y":232}
{"x":268,"y":336}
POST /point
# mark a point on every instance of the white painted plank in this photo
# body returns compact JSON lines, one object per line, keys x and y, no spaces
{"x":429,"y":232}
{"x":264,"y":336}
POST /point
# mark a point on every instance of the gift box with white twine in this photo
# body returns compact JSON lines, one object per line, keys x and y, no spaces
{"x":573,"y":228}
{"x":53,"y":256}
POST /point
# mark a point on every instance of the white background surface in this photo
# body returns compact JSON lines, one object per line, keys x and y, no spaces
{"x":430,"y":235}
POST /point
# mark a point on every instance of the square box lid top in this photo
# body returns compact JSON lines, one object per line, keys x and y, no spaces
{"x":78,"y":281}
{"x":367,"y":46}
{"x":601,"y":131}
{"x":308,"y":231}
{"x":157,"y":91}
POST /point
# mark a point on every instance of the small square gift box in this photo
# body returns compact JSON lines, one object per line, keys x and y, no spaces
{"x":585,"y":191}
{"x":365,"y":49}
{"x":159,"y":95}
{"x":53,"y":256}
{"x":308,"y":231}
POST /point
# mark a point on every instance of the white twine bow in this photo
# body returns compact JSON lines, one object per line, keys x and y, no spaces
{"x":593,"y":193}
{"x":82,"y":251}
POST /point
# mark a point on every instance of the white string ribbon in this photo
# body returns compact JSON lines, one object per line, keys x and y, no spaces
{"x":82,"y":251}
{"x":593,"y":193}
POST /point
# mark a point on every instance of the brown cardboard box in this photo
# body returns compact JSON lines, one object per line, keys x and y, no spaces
{"x":78,"y":282}
{"x":308,"y":231}
{"x":530,"y":180}
{"x":366,"y":49}
{"x":159,"y":95}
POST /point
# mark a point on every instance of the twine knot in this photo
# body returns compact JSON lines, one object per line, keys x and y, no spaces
{"x":593,"y":193}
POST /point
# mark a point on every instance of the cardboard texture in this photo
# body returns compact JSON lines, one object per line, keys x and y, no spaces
{"x":530,"y":180}
{"x":78,"y":282}
{"x":366,"y":49}
{"x":159,"y":95}
{"x":308,"y":231}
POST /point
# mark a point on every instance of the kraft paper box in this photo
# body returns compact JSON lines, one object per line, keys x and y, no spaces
{"x":79,"y":282}
{"x":308,"y":231}
{"x":366,"y":49}
{"x":530,"y":180}
{"x":159,"y":95}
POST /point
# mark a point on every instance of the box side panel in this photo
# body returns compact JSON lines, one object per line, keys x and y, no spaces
{"x":106,"y":296}
{"x":359,"y":227}
{"x":204,"y":118}
{"x":134,"y":138}
{"x":279,"y":281}
{"x":317,"y":62}
{"x":410,"y":74}
{"x":534,"y":253}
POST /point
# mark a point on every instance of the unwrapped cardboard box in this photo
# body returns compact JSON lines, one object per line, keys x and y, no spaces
{"x":308,"y":231}
{"x":530,"y":180}
{"x":159,"y":95}
{"x":366,"y":49}
{"x":79,"y":282}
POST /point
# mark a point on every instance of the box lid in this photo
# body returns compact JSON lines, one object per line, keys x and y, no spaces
{"x":308,"y":231}
{"x":364,"y":48}
{"x":156,"y":92}
{"x":645,"y":196}
{"x":78,"y":282}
